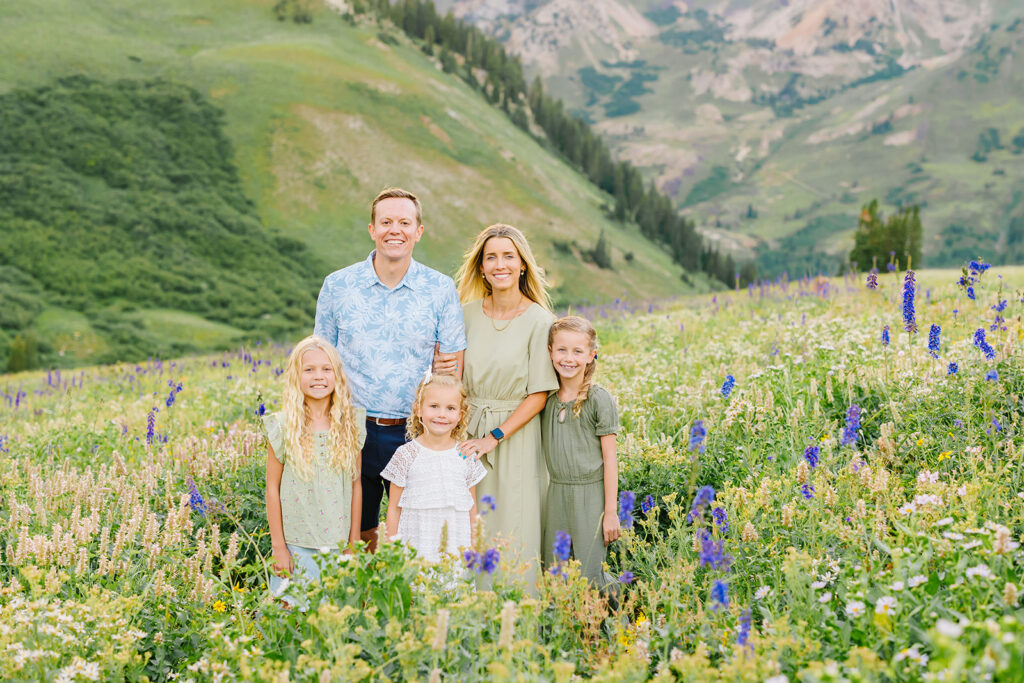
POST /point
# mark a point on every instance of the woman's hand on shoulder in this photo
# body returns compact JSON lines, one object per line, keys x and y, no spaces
{"x":611,"y":528}
{"x":475,"y":448}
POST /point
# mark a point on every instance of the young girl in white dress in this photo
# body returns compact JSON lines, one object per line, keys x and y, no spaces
{"x":433,"y":488}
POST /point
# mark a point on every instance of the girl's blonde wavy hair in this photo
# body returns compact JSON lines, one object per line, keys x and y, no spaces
{"x":343,"y":437}
{"x":473,"y":285}
{"x":414,"y":425}
{"x":574,"y":323}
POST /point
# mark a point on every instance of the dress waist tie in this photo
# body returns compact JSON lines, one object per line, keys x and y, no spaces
{"x":485,"y":414}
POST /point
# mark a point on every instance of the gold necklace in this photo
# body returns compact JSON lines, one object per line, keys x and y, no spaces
{"x":502,"y":329}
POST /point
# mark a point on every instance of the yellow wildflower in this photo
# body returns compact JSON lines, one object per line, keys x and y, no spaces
{"x":944,"y":455}
{"x":219,"y":606}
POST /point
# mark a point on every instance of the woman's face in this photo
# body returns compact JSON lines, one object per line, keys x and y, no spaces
{"x":502,"y":265}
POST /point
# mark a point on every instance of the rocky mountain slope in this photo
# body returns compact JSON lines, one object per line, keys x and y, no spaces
{"x":772,"y":122}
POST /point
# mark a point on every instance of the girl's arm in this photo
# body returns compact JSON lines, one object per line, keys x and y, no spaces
{"x":472,"y":516}
{"x":610,"y":525}
{"x":394,"y":512}
{"x":356,"y":515}
{"x":282,"y":558}
{"x":527,"y":410}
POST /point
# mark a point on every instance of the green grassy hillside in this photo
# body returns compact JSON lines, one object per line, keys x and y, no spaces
{"x":321,"y":116}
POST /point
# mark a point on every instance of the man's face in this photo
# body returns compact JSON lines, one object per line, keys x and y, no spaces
{"x":394,"y":229}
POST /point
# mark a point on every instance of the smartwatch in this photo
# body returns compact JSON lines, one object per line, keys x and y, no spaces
{"x":497,"y":434}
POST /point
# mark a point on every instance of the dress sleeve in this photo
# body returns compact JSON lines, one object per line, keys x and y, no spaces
{"x":397,"y":469}
{"x":275,"y":435}
{"x":475,"y":471}
{"x":451,"y":326}
{"x":607,"y":421}
{"x":541,"y":375}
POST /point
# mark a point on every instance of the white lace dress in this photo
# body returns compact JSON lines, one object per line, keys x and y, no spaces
{"x":435,"y":494}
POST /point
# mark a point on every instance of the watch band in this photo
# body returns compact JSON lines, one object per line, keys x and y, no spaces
{"x":497,"y":433}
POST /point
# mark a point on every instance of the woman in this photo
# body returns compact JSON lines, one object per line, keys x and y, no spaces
{"x":507,"y":375}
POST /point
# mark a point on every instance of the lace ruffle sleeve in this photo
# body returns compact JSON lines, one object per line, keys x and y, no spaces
{"x":475,"y":471}
{"x":275,"y":435}
{"x":397,"y":469}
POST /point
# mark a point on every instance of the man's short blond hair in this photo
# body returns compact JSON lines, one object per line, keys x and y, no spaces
{"x":396,"y":193}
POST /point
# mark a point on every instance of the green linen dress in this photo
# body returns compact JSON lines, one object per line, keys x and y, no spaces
{"x":572,"y":451}
{"x":505,"y":361}
{"x":315,"y":513}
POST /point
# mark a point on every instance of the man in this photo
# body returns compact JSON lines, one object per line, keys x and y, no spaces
{"x":387,"y":315}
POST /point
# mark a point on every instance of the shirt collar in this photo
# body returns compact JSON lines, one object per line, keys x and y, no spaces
{"x":370,"y":275}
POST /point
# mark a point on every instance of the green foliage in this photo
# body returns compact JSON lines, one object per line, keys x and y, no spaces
{"x":600,"y":254}
{"x":24,"y":353}
{"x":878,"y":240}
{"x":127,"y":192}
{"x":988,"y":140}
{"x":715,"y":184}
{"x":299,"y":11}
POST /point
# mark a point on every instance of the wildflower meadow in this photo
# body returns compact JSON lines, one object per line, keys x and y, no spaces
{"x":820,"y":480}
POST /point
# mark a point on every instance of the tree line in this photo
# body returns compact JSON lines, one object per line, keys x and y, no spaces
{"x":505,"y":86}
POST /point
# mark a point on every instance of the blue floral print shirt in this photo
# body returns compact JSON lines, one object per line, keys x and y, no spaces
{"x":386,"y":336}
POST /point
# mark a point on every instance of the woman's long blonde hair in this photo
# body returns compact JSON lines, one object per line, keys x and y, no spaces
{"x":414,"y":425}
{"x":574,"y":323}
{"x":343,"y":434}
{"x":473,"y":285}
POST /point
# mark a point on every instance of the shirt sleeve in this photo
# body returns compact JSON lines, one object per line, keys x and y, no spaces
{"x":451,"y":326}
{"x":541,"y":374}
{"x":475,"y":471}
{"x":397,"y":469}
{"x":275,"y":435}
{"x":326,"y":324}
{"x":607,"y":414}
{"x":360,"y":427}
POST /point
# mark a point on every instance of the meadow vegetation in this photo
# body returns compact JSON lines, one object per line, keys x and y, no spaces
{"x":815,"y":494}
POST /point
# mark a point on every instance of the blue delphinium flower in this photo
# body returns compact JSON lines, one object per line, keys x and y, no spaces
{"x":983,"y":345}
{"x":175,"y":390}
{"x":743,"y":636}
{"x":195,"y":499}
{"x":721,"y":518}
{"x":712,"y":552}
{"x":1000,"y":307}
{"x":562,"y":545}
{"x":487,"y":504}
{"x":885,"y":336}
{"x":852,"y":425}
{"x":970,"y":293}
{"x":705,"y":496}
{"x":953,"y":368}
{"x":997,"y":425}
{"x":811,"y":454}
{"x":489,"y":561}
{"x":697,"y":434}
{"x":891,"y":267}
{"x":992,"y":376}
{"x":807,"y":491}
{"x":909,"y":314}
{"x":720,"y":594}
{"x":472,"y":559}
{"x":872,"y":281}
{"x":647,"y":504}
{"x":727,"y":385}
{"x":626,"y":577}
{"x":151,"y":425}
{"x":934,"y":340}
{"x":626,"y":501}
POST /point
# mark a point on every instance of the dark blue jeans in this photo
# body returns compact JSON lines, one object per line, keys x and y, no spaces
{"x":381,"y":444}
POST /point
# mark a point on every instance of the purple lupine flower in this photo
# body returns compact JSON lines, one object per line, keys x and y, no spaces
{"x":712,"y":552}
{"x":626,"y":577}
{"x":983,"y":345}
{"x":487,"y":504}
{"x":811,"y":454}
{"x":151,"y":425}
{"x":471,"y":558}
{"x":562,"y":545}
{"x":489,"y":561}
{"x":705,"y":496}
{"x":647,"y":504}
{"x":727,"y":385}
{"x":195,"y":499}
{"x":849,"y":437}
{"x":909,"y":314}
{"x":626,"y":501}
{"x":953,"y":368}
{"x":992,"y":376}
{"x":697,"y":435}
{"x":997,"y":425}
{"x":743,"y":636}
{"x":872,"y":281}
{"x":885,"y":336}
{"x":807,"y":491}
{"x":1000,"y":307}
{"x":970,"y":293}
{"x":721,"y":518}
{"x":261,"y":409}
{"x":720,"y":594}
{"x":934,"y":342}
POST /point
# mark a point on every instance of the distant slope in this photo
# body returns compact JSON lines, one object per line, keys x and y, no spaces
{"x":773,"y":122}
{"x":321,"y":116}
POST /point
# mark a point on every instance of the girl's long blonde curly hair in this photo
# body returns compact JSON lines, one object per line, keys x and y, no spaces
{"x":471,"y":282}
{"x":414,"y":425}
{"x":343,"y":437}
